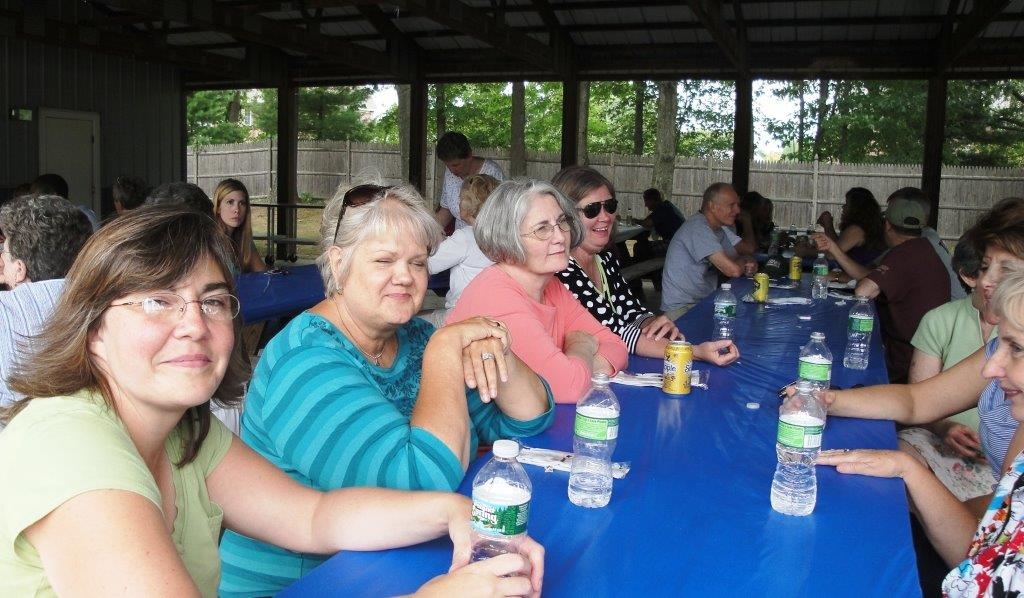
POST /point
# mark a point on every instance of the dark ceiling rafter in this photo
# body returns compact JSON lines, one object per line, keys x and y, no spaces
{"x":256,"y":29}
{"x":36,"y":27}
{"x":981,"y":16}
{"x":401,"y":49}
{"x":479,"y":25}
{"x":709,"y":13}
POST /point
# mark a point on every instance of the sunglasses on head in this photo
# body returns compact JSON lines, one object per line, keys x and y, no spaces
{"x":360,"y":195}
{"x":591,"y":210}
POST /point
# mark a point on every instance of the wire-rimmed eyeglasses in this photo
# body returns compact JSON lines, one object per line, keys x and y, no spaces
{"x":163,"y":306}
{"x":543,"y":232}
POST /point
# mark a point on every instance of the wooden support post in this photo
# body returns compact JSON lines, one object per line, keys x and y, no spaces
{"x":287,"y":165}
{"x":743,"y":134}
{"x":418,"y":135}
{"x":570,"y":116}
{"x":934,"y":132}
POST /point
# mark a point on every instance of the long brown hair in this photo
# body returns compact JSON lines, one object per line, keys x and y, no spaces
{"x":153,"y":247}
{"x":241,"y":237}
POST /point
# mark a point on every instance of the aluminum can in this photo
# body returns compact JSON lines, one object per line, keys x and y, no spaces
{"x":678,"y":363}
{"x":761,"y":287}
{"x":796,"y":266}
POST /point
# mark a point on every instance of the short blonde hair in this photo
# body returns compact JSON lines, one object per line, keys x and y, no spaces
{"x":398,"y":210}
{"x":474,"y":192}
{"x":1008,"y":299}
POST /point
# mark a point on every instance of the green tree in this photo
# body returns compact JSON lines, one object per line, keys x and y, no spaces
{"x":325,"y":113}
{"x":213,"y":117}
{"x":883,"y":121}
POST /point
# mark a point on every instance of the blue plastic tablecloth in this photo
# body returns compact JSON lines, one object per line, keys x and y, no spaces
{"x":693,"y":516}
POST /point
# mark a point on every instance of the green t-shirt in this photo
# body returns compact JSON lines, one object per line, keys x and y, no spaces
{"x":60,"y":447}
{"x":952,"y":332}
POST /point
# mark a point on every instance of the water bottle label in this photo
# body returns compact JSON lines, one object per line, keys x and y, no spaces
{"x":500,"y":519}
{"x":596,"y":428}
{"x":861,"y":324}
{"x":725,"y":309}
{"x":800,"y":437}
{"x":821,"y":270}
{"x":819,"y":372}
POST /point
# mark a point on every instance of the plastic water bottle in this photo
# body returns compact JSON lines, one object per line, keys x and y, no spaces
{"x":820,"y":269}
{"x":725,"y":313}
{"x":816,"y":362}
{"x":801,"y":422}
{"x":594,"y":434}
{"x":858,"y":334}
{"x":501,"y":503}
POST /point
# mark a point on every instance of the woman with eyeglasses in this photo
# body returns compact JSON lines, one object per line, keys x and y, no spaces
{"x":527,"y":228}
{"x":594,"y":275}
{"x":231,"y":209}
{"x":116,"y":480}
{"x":357,"y":391}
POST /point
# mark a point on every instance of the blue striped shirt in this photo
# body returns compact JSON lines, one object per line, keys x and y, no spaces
{"x":997,"y":423}
{"x":317,"y":409}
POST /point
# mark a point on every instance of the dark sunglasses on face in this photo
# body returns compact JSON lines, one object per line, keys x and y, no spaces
{"x":360,"y":195}
{"x":591,"y":210}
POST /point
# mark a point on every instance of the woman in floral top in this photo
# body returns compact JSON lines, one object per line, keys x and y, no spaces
{"x":994,"y":565}
{"x":593,"y":275}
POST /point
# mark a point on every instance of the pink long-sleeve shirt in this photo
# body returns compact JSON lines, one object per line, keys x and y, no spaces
{"x":539,"y":329}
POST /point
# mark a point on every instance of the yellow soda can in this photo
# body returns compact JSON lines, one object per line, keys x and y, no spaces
{"x":761,"y":287}
{"x":796,"y":265}
{"x":678,"y":363}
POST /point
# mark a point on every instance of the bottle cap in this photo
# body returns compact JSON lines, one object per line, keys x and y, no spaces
{"x":726,"y":286}
{"x":600,"y":378}
{"x":506,"y":449}
{"x":820,"y":254}
{"x":817,"y":336}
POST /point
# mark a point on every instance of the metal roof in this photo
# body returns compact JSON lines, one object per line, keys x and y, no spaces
{"x":258,"y":42}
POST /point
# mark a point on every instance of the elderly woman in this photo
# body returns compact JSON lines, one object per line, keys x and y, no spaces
{"x":358,"y":392}
{"x":44,"y":235}
{"x":993,"y":565}
{"x":528,"y":228}
{"x":116,"y":480}
{"x":231,"y":209}
{"x":594,"y":276}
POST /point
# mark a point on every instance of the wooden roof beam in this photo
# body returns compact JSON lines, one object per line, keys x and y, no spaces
{"x":212,"y":15}
{"x":981,"y":15}
{"x":94,"y":39}
{"x":479,"y":25}
{"x":709,"y":13}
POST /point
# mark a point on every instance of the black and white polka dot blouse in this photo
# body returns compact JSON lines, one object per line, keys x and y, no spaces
{"x":624,"y":314}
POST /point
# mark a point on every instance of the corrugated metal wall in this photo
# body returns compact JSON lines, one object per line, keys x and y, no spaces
{"x":139,"y":104}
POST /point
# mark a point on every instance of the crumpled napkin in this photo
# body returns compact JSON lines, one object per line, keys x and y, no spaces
{"x":551,"y":460}
{"x":698,"y":379}
{"x":789,"y":301}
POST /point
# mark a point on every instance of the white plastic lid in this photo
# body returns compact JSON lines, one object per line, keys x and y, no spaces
{"x":506,"y":449}
{"x":726,"y":286}
{"x":821,"y":254}
{"x":600,"y":378}
{"x":818,"y":336}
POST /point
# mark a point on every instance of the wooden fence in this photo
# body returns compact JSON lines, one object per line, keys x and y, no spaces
{"x":799,"y":190}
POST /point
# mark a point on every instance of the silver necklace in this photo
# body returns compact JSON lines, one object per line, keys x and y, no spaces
{"x":351,"y":337}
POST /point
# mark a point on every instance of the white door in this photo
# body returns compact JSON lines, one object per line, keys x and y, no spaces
{"x":69,"y":145}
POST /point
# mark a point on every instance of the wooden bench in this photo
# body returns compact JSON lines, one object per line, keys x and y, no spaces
{"x":635,"y":271}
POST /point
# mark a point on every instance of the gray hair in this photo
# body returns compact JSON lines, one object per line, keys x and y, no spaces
{"x":497,"y":224}
{"x":400,"y":212}
{"x":46,"y":232}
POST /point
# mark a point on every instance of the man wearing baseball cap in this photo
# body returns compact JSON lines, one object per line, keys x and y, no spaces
{"x":908,"y":281}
